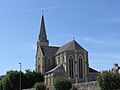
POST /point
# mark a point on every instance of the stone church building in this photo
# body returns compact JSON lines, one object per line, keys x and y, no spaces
{"x":69,"y":60}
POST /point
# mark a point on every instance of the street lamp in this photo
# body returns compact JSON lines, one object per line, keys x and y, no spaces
{"x":20,"y":75}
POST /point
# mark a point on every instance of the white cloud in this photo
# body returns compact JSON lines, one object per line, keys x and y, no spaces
{"x":57,"y":7}
{"x":46,"y":8}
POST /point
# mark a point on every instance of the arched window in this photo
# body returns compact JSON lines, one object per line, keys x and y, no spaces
{"x":38,"y":59}
{"x":58,"y":59}
{"x":71,"y":66}
{"x":38,"y":68}
{"x":38,"y":63}
{"x":61,"y":58}
{"x":80,"y":67}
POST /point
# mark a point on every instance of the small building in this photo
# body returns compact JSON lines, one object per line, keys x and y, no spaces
{"x":56,"y":73}
{"x":116,"y":68}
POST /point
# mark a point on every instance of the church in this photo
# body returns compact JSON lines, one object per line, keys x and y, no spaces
{"x":70,"y":60}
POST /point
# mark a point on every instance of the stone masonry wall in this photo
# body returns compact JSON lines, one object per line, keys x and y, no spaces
{"x":82,"y":86}
{"x":86,"y":86}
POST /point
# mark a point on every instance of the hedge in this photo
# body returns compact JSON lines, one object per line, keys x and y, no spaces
{"x":108,"y":80}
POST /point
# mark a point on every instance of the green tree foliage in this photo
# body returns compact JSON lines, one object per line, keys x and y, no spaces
{"x":29,"y":79}
{"x":38,"y":77}
{"x":12,"y":79}
{"x":109,"y":81}
{"x":33,"y":77}
{"x":1,"y":87}
{"x":6,"y":84}
{"x":62,"y":84}
{"x":40,"y":86}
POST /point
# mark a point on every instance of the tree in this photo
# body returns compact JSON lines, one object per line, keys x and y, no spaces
{"x":6,"y":84}
{"x":109,"y":81}
{"x":1,"y":87}
{"x":12,"y":79}
{"x":29,"y":79}
{"x":38,"y":77}
{"x":32,"y":77}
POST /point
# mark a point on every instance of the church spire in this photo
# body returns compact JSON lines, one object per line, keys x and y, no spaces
{"x":42,"y":35}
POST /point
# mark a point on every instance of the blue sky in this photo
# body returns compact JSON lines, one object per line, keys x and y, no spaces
{"x":95,"y":24}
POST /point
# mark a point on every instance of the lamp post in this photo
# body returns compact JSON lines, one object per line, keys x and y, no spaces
{"x":20,"y":75}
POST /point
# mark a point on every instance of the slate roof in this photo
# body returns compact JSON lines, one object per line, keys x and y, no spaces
{"x":57,"y":69}
{"x":92,"y":70}
{"x":72,"y":45}
{"x":49,"y":50}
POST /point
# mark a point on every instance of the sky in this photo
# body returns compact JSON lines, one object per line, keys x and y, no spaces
{"x":95,"y":25}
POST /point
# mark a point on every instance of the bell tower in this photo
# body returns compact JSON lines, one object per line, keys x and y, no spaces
{"x":41,"y":42}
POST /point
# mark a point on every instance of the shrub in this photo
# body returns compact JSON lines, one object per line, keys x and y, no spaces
{"x":74,"y":88}
{"x":62,"y":84}
{"x":108,"y":81}
{"x":40,"y":86}
{"x":32,"y":77}
{"x":6,"y":84}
